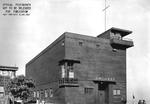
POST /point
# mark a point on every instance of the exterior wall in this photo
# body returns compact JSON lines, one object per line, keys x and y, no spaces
{"x":97,"y":60}
{"x":45,"y":70}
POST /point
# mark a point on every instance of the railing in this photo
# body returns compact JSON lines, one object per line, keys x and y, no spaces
{"x":121,"y":43}
{"x":68,"y":82}
{"x":120,"y":38}
{"x":127,"y":39}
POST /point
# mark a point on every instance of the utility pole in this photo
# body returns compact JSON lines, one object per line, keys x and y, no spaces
{"x":105,"y":18}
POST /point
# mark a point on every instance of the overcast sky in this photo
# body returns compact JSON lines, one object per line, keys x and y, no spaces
{"x":23,"y":37}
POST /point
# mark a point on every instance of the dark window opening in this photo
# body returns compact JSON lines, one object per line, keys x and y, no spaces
{"x":97,"y":45}
{"x":116,"y":36}
{"x":81,"y":43}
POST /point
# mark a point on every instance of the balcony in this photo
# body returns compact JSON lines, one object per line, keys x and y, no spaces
{"x":68,"y":82}
{"x":121,"y":43}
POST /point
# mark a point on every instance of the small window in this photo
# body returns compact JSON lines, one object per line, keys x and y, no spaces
{"x":116,"y":92}
{"x":63,"y":43}
{"x":38,"y":94}
{"x":80,"y":43}
{"x":63,"y":71}
{"x":34,"y":94}
{"x":114,"y":50}
{"x":51,"y":92}
{"x":88,"y":90}
{"x":42,"y":93}
{"x":97,"y":45}
{"x":46,"y":93}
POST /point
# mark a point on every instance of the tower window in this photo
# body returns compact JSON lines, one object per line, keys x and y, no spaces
{"x":115,"y":36}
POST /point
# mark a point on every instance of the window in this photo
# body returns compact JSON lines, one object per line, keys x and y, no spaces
{"x":34,"y":94}
{"x":67,"y":70}
{"x":63,"y":71}
{"x":1,"y":94}
{"x":12,"y":74}
{"x":63,"y":43}
{"x":5,"y":73}
{"x":116,"y":92}
{"x":38,"y":94}
{"x":97,"y":45}
{"x":70,"y":70}
{"x":114,"y":50}
{"x":51,"y":92}
{"x":46,"y":93}
{"x":118,"y":36}
{"x":115,"y":36}
{"x":88,"y":90}
{"x":80,"y":43}
{"x":0,"y":72}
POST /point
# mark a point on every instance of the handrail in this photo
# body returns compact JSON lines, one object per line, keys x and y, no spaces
{"x":68,"y":81}
{"x":127,"y":39}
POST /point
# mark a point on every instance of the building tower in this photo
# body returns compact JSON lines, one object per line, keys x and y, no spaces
{"x":80,"y":69}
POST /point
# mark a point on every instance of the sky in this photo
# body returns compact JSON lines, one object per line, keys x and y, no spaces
{"x":23,"y":37}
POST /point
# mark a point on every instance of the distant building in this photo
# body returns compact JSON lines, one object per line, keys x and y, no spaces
{"x":80,"y":69}
{"x":6,"y":73}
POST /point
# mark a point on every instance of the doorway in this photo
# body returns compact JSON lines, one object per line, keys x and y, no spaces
{"x":102,"y":95}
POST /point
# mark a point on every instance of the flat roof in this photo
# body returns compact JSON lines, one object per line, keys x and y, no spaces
{"x":63,"y":36}
{"x":123,"y":32}
{"x":12,"y":68}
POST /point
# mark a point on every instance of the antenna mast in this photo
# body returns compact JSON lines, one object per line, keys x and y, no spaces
{"x":105,"y":19}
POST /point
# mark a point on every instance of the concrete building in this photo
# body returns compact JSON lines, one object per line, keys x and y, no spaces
{"x":80,"y":69}
{"x":6,"y":73}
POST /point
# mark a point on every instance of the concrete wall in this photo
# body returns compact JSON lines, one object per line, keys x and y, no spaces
{"x":97,"y":59}
{"x":45,"y":69}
